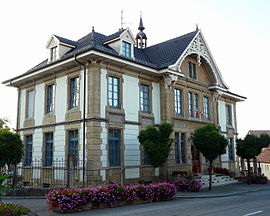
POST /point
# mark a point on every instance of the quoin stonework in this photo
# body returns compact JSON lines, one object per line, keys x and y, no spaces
{"x":86,"y":104}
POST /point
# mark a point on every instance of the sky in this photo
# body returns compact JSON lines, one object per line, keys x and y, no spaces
{"x":237,"y":33}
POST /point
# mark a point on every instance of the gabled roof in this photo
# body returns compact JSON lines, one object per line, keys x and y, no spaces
{"x":168,"y":52}
{"x":264,"y":157}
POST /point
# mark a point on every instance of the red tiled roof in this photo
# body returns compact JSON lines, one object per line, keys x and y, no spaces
{"x":264,"y":156}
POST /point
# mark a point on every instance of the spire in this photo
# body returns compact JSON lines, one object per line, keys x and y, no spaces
{"x":141,"y":28}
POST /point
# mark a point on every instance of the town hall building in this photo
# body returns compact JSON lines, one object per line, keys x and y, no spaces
{"x":87,"y":102}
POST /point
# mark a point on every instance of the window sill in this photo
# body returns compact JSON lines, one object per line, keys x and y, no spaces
{"x":115,"y":110}
{"x":146,"y":115}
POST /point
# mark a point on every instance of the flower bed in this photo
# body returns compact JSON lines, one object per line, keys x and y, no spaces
{"x":259,"y":179}
{"x":10,"y":209}
{"x":69,"y":200}
{"x":187,"y":184}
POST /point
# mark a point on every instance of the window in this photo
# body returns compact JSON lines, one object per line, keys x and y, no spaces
{"x":48,"y":149}
{"x":145,"y":157}
{"x":228,"y":114}
{"x":126,"y":49}
{"x":177,"y":148}
{"x":53,"y":53}
{"x":231,"y":150}
{"x":144,"y":98}
{"x":178,"y":99}
{"x":50,"y":98}
{"x":206,"y":108}
{"x":193,"y":105}
{"x":28,"y":150}
{"x":30,"y":104}
{"x":192,"y":70}
{"x":190,"y":104}
{"x":73,"y":145}
{"x":74,"y":92}
{"x":183,"y":148}
{"x":114,"y":89}
{"x":114,"y":147}
{"x":196,"y":105}
{"x":180,"y":148}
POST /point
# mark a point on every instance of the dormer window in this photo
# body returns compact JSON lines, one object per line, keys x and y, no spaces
{"x":53,"y":53}
{"x":126,"y":49}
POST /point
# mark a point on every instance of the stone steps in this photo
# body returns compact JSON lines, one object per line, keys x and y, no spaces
{"x":217,"y":180}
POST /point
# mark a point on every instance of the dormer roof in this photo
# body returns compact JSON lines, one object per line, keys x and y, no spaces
{"x":118,"y":35}
{"x":60,"y":40}
{"x":65,"y":41}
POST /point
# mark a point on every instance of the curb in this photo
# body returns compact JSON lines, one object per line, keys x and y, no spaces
{"x":217,"y":195}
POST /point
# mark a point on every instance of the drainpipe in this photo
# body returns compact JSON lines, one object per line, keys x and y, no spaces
{"x":84,"y":109}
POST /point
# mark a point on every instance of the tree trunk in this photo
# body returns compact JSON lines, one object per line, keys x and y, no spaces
{"x":210,"y":175}
{"x":248,"y":166}
{"x":164,"y":172}
{"x":255,"y":166}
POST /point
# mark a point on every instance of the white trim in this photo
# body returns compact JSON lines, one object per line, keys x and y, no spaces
{"x":65,"y":44}
{"x":217,"y":87}
{"x":168,"y":70}
{"x":233,"y":96}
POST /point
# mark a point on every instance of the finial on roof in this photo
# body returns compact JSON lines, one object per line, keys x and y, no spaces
{"x":141,"y":28}
{"x":93,"y":28}
{"x":197,"y":28}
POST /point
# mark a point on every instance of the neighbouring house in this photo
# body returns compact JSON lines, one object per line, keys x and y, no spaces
{"x":262,"y":161}
{"x":80,"y":111}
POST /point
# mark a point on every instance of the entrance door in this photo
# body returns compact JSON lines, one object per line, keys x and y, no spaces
{"x":196,"y":166}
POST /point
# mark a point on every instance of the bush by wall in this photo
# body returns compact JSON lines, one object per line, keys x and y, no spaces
{"x":68,"y":200}
{"x":187,"y":184}
{"x":220,"y":170}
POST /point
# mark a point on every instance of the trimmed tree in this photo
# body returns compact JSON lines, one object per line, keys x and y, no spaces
{"x":250,"y":147}
{"x":11,"y":147}
{"x":211,"y":143}
{"x":156,"y":142}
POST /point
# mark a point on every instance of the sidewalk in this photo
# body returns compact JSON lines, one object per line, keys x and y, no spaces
{"x":38,"y":205}
{"x":225,"y":190}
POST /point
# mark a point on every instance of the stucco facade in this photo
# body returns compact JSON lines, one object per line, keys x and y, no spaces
{"x":128,"y":118}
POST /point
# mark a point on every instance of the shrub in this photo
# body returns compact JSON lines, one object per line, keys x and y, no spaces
{"x":66,"y":200}
{"x":259,"y":179}
{"x":10,"y":209}
{"x":220,"y":170}
{"x":187,"y":184}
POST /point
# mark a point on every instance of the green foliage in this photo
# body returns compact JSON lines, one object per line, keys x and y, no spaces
{"x":264,"y":140}
{"x":156,"y":142}
{"x":210,"y":142}
{"x":2,"y":180}
{"x":251,"y":145}
{"x":10,"y":209}
{"x":11,"y":147}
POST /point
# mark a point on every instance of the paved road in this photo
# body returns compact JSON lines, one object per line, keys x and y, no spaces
{"x":248,"y":204}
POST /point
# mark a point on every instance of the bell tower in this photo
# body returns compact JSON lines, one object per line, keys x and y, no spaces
{"x":141,"y":39}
